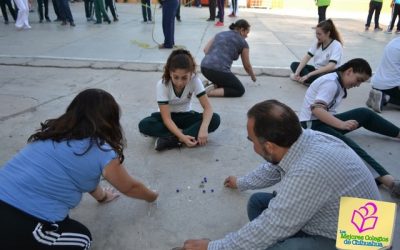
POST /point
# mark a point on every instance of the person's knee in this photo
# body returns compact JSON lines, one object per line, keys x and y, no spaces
{"x":143,"y":127}
{"x":215,"y":122}
{"x":293,"y":66}
{"x":364,"y":112}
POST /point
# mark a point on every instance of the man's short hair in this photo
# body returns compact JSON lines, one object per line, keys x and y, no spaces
{"x":275,"y":122}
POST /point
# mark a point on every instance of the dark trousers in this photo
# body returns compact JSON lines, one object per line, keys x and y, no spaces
{"x":100,"y":11}
{"x":56,"y":9}
{"x":3,"y":4}
{"x":89,"y":8}
{"x":374,"y":7}
{"x":366,"y":119}
{"x":110,"y":5}
{"x":234,"y":6}
{"x":307,"y":69}
{"x":395,"y":14}
{"x":322,"y":13}
{"x":65,"y":10}
{"x":19,"y":230}
{"x":394,"y":94}
{"x":168,"y":22}
{"x":228,"y":81}
{"x":146,"y":10}
{"x":189,"y":122}
{"x":258,"y":202}
{"x":178,"y":11}
{"x":221,"y":10}
{"x":211,"y":6}
{"x":45,"y":4}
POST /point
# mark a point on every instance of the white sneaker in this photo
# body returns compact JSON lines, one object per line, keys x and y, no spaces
{"x":375,"y":100}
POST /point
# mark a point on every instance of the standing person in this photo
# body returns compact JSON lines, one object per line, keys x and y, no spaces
{"x":65,"y":12}
{"x":211,"y":7}
{"x":313,"y":170}
{"x":220,"y":52}
{"x":322,"y":6}
{"x":22,"y":21}
{"x":56,"y":4}
{"x":177,"y":123}
{"x":234,"y":8}
{"x":395,"y":5}
{"x":111,"y":5}
{"x":374,"y":6}
{"x":178,"y":12}
{"x":89,"y":9}
{"x":100,"y":12}
{"x":65,"y":158}
{"x":43,"y":4}
{"x":3,"y":4}
{"x":386,"y":81}
{"x":146,"y":11}
{"x":327,"y":53}
{"x":221,"y":13}
{"x":319,"y":113}
{"x":169,"y":8}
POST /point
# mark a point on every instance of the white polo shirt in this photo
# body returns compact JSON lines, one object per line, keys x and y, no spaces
{"x":322,"y":90}
{"x":166,"y":94}
{"x":322,"y":56}
{"x":387,"y":75}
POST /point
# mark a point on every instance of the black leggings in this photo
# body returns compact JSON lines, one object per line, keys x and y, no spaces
{"x":228,"y":81}
{"x":19,"y":230}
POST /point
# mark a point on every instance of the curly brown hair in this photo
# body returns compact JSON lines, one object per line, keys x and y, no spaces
{"x":179,"y":59}
{"x":92,"y":114}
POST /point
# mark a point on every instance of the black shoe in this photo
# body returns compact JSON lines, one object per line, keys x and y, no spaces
{"x":48,"y":20}
{"x":57,"y":20}
{"x":41,"y":21}
{"x":97,"y":22}
{"x":169,"y":142}
{"x":178,"y":19}
{"x":6,"y":22}
{"x":116,"y":19}
{"x":210,"y":19}
{"x":72,"y":24}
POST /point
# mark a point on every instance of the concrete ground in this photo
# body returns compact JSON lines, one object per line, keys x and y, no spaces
{"x":42,"y":69}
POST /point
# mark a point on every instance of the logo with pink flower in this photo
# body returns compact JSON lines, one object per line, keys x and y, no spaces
{"x":364,"y":218}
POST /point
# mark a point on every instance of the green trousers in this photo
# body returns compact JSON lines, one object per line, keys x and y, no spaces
{"x":366,"y":119}
{"x":100,"y":11}
{"x":189,"y":122}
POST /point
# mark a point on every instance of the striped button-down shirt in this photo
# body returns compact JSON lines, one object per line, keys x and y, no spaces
{"x":316,"y":171}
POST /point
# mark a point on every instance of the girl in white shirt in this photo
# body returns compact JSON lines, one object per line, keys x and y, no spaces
{"x":176,"y":122}
{"x":319,"y":113}
{"x":327,"y":53}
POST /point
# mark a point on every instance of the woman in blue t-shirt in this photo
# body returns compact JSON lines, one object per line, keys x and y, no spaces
{"x":221,"y":51}
{"x":64,"y":159}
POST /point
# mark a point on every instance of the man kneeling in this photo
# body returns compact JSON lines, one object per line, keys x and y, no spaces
{"x":314,"y":170}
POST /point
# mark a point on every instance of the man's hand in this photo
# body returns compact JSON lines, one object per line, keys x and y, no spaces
{"x":196,"y":245}
{"x":230,"y":182}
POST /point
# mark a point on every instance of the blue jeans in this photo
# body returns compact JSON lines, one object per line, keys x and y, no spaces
{"x":258,"y":202}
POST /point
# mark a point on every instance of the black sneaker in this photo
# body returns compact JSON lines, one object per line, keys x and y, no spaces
{"x":169,"y":142}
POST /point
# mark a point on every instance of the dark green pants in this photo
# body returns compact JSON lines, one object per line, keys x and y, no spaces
{"x":189,"y":122}
{"x":307,"y":69}
{"x":366,"y":119}
{"x":100,"y":11}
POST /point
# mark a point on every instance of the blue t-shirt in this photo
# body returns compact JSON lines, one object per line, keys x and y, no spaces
{"x":47,"y":178}
{"x":226,"y":48}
